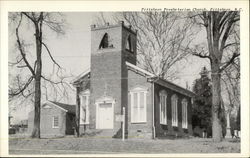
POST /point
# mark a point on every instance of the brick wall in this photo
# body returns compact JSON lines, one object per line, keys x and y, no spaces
{"x":46,"y":122}
{"x":143,"y":130}
{"x":108,"y":69}
{"x":110,"y":77}
{"x":105,"y":80}
{"x":169,"y":130}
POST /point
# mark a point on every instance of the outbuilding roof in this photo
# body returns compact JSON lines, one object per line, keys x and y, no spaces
{"x":67,"y":107}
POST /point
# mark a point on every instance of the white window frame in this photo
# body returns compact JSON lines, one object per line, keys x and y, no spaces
{"x":163,"y":100}
{"x":174,"y":106}
{"x":86,"y":94}
{"x":53,"y":122}
{"x":184,"y":104}
{"x":138,"y":90}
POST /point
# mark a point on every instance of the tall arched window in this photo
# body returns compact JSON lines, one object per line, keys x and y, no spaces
{"x":174,"y":105}
{"x":104,"y":42}
{"x":184,"y":104}
{"x":163,"y":107}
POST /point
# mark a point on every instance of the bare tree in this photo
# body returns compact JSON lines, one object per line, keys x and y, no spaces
{"x":163,"y":40}
{"x":28,"y":85}
{"x":231,"y":86}
{"x":231,"y":74}
{"x":220,"y":29}
{"x":100,"y":19}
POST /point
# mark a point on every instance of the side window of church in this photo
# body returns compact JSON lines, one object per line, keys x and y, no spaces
{"x":138,"y":106}
{"x":84,"y":109}
{"x":163,"y":108}
{"x":55,"y":122}
{"x":174,"y":103}
{"x":184,"y":113}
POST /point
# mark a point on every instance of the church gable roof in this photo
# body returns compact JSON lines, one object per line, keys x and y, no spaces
{"x":172,"y":86}
{"x":152,"y":77}
{"x":81,"y":77}
{"x":140,"y":70}
{"x":160,"y":81}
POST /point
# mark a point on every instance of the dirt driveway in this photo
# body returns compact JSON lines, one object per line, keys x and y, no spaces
{"x":71,"y":145}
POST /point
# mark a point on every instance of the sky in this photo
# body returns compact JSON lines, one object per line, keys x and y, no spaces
{"x":72,"y":52}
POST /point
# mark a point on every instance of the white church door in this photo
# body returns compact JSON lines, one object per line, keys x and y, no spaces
{"x":105,"y":116}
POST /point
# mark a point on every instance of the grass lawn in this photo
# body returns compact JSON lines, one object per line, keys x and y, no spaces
{"x":71,"y":145}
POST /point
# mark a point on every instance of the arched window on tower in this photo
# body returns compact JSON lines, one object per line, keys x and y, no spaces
{"x":104,"y":42}
{"x":128,"y":45}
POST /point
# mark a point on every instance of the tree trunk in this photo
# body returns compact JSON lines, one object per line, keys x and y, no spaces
{"x":218,"y":27}
{"x":216,"y":106}
{"x":37,"y":103}
{"x":77,"y":128}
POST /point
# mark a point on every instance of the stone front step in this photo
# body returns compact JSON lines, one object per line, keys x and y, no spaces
{"x":107,"y":133}
{"x":101,"y":133}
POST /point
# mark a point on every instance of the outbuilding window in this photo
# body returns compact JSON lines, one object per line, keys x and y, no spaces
{"x":184,"y":113}
{"x":174,"y":105}
{"x":163,"y":107}
{"x":138,"y":105}
{"x":55,"y":122}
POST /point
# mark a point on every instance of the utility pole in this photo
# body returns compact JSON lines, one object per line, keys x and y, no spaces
{"x":123,"y":123}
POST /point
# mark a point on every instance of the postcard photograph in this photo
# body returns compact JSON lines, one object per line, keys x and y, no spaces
{"x":154,"y":81}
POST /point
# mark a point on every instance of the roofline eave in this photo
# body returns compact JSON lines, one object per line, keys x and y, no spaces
{"x":82,"y":75}
{"x":51,"y":103}
{"x":174,"y":87}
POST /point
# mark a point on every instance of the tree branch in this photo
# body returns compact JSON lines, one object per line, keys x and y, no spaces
{"x":21,"y":66}
{"x":202,"y":56}
{"x":21,"y":49}
{"x":230,"y":44}
{"x":235,"y":55}
{"x":53,"y":82}
{"x":50,"y":55}
{"x":17,"y":62}
{"x":227,"y":30}
{"x":28,"y":16}
{"x":35,"y":64}
{"x":21,"y":89}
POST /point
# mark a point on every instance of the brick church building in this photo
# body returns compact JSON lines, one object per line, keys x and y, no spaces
{"x":154,"y":107}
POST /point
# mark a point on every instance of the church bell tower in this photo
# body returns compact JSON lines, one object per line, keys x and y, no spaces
{"x":111,"y":47}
